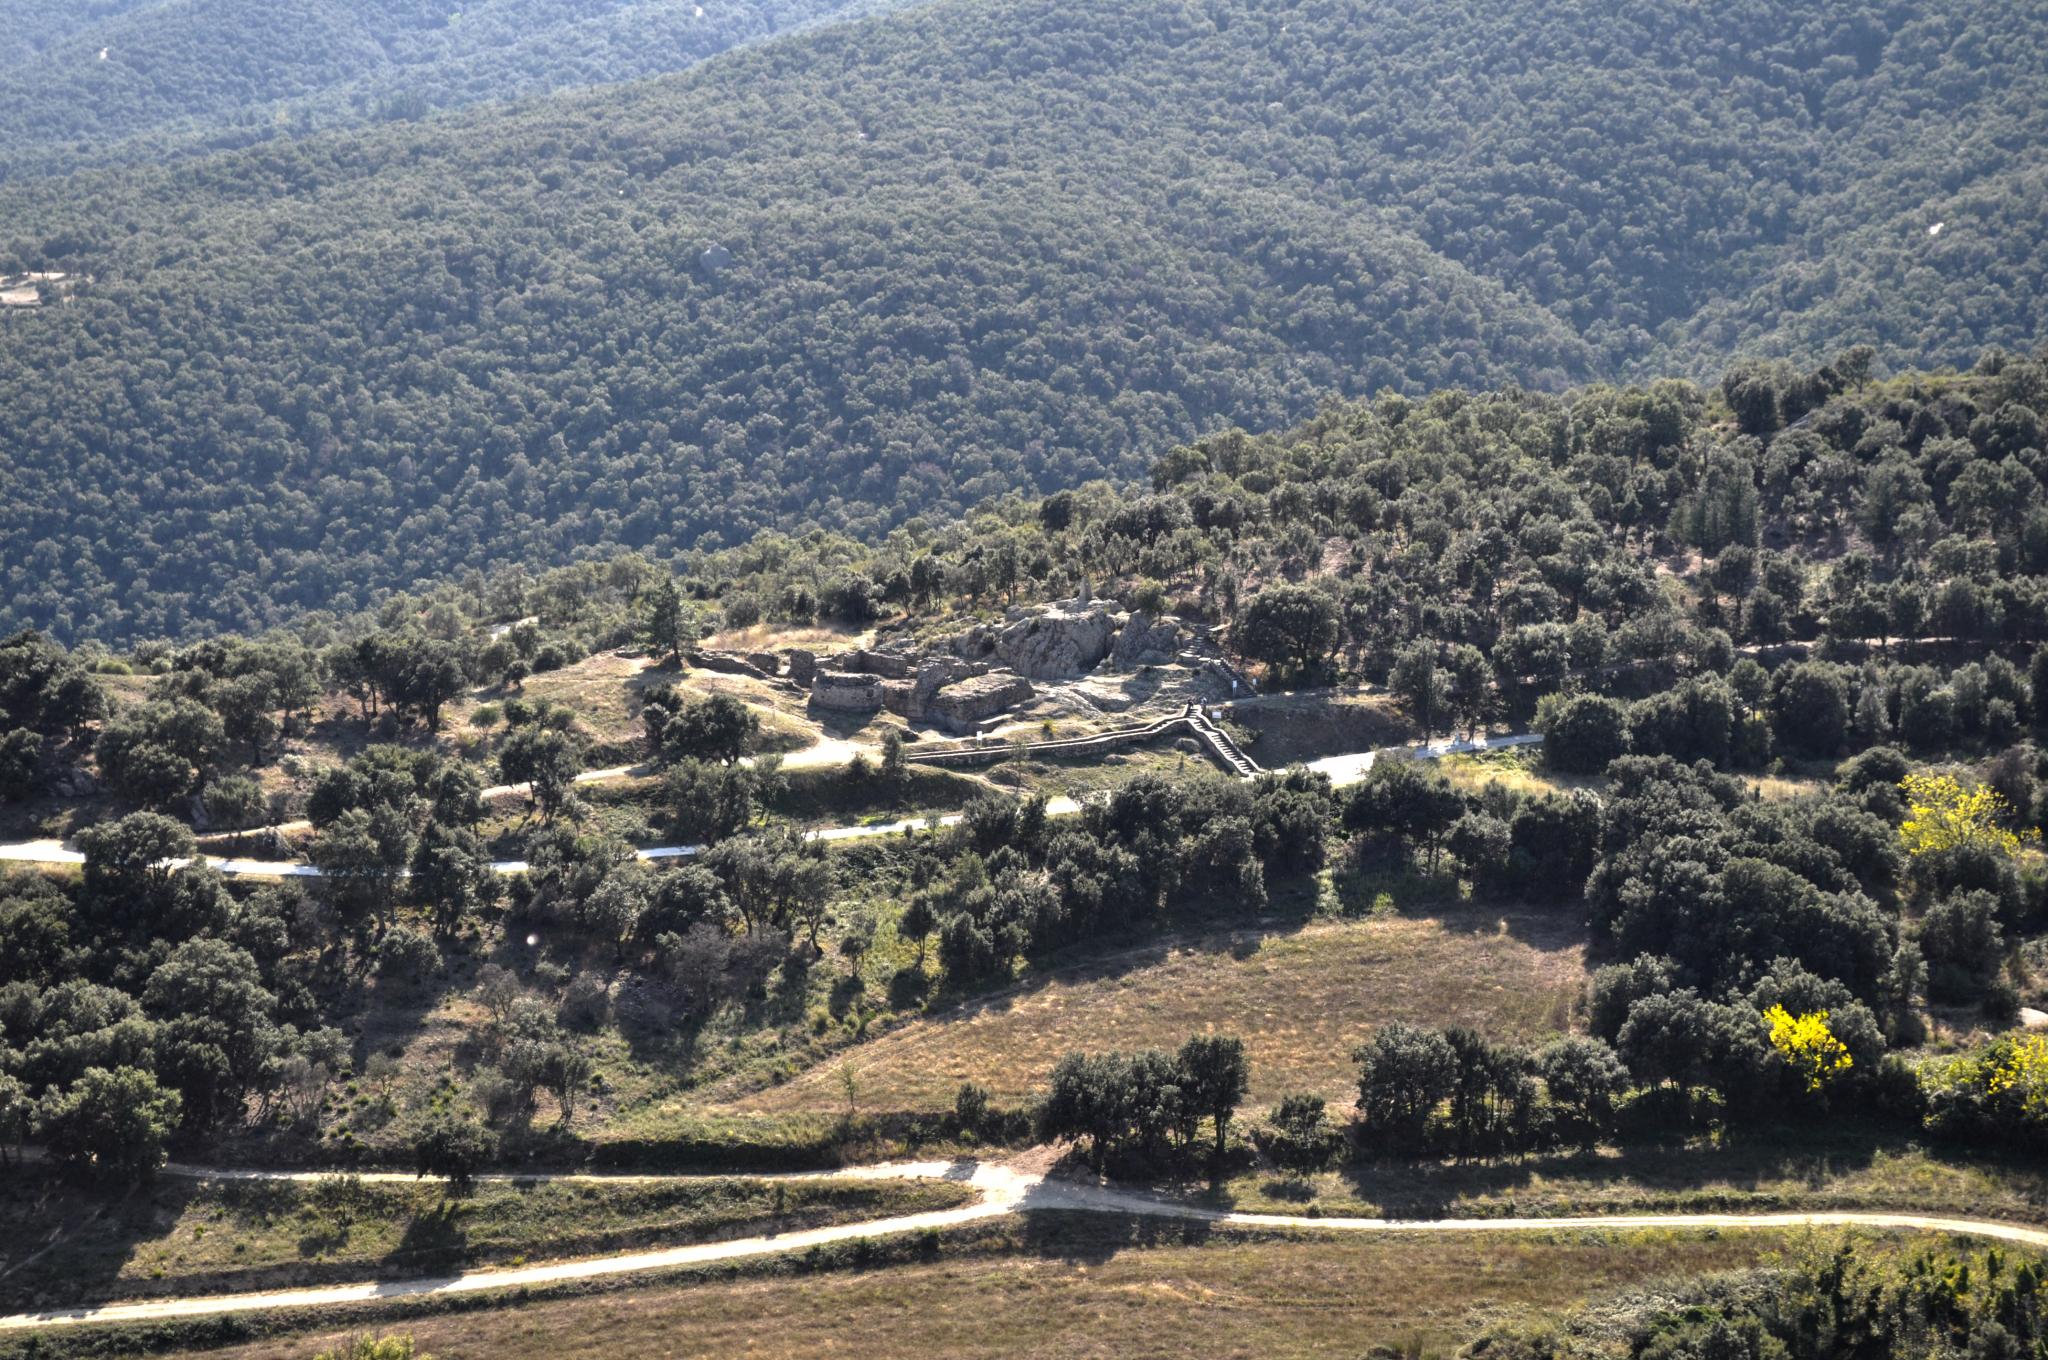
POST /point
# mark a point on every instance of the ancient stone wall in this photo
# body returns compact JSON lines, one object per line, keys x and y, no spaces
{"x":845,"y":692}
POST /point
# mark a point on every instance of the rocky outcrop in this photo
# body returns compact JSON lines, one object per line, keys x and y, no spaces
{"x":975,"y":644}
{"x":988,"y":669}
{"x":76,"y":782}
{"x":912,"y":697}
{"x":846,"y":692}
{"x":963,"y":706}
{"x":1146,"y":641}
{"x":1061,"y":642}
{"x":768,"y":663}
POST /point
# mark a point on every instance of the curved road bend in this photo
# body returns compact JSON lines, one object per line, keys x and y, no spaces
{"x":1003,"y":1191}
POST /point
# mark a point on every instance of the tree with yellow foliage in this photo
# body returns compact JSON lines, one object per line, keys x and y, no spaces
{"x":1808,"y":1046}
{"x":1998,"y":1095}
{"x":2018,"y":1070}
{"x":1942,"y":814}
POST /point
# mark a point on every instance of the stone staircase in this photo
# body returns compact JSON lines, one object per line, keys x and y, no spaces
{"x":1218,"y":742}
{"x":1191,"y":720}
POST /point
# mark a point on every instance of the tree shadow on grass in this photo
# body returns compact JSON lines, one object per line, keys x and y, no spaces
{"x":434,"y":1241}
{"x":1369,"y":885}
{"x":382,"y":1017}
{"x":671,"y":1032}
{"x":1543,"y":929}
{"x":68,"y":1242}
{"x":842,"y":726}
{"x":543,"y":1141}
{"x":1093,"y":1237}
{"x":845,"y":992}
{"x":908,"y":987}
{"x":1732,"y":1175}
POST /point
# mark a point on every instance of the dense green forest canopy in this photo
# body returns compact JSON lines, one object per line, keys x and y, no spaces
{"x":893,"y":267}
{"x":116,"y":80}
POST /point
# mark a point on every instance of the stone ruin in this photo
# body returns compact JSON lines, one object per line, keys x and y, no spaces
{"x":990,"y":669}
{"x":947,"y":692}
{"x":846,"y":691}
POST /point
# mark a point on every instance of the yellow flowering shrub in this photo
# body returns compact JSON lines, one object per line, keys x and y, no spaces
{"x":1999,"y":1095}
{"x":1808,"y":1045}
{"x":1943,"y":814}
{"x":2017,"y":1069}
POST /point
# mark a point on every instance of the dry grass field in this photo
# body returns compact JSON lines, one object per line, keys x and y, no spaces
{"x":604,"y":693}
{"x":1300,"y":999}
{"x":181,"y":1236}
{"x":1231,"y":1297}
{"x":1523,"y":770}
{"x":1807,"y":1169}
{"x":769,"y":637}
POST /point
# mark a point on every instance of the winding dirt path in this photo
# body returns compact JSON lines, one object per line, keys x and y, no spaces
{"x":1342,"y":770}
{"x":1004,"y":1190}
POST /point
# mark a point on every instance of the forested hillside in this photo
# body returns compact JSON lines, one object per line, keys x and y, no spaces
{"x":893,"y":267}
{"x":129,"y":79}
{"x":1786,"y":645}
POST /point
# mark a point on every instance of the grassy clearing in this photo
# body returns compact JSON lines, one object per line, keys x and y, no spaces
{"x":1093,"y":1288}
{"x":1772,"y":788}
{"x":184,"y":1236}
{"x":1519,"y":768}
{"x":786,"y":722}
{"x":1098,"y":774}
{"x":1522,"y":769}
{"x":604,"y":692}
{"x":1300,"y":999}
{"x":1801,"y":1169}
